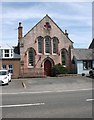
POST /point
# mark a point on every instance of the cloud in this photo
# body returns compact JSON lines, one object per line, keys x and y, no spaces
{"x":76,"y":17}
{"x":46,"y":1}
{"x":81,"y":39}
{"x":76,"y":11}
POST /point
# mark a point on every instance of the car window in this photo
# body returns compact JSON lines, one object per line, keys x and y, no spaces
{"x":3,"y":73}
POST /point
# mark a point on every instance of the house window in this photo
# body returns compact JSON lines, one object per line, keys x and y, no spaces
{"x":6,"y":53}
{"x":10,"y":68}
{"x":31,"y":57}
{"x":40,"y":44}
{"x":47,"y":44}
{"x":63,"y":56}
{"x":11,"y":53}
{"x":4,"y":67}
{"x":87,"y":64}
{"x":55,"y":45}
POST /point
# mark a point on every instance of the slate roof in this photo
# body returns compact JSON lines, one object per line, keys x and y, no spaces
{"x":5,"y":46}
{"x":16,"y":56}
{"x":83,"y":54}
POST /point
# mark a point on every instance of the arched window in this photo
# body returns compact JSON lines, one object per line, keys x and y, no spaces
{"x":63,"y":57}
{"x":31,"y":57}
{"x":40,"y":44}
{"x":55,"y":45}
{"x":47,"y":44}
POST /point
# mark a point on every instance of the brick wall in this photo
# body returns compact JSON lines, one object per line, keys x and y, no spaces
{"x":16,"y":66}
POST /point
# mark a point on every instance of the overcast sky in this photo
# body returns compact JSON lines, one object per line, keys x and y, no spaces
{"x":75,"y":17}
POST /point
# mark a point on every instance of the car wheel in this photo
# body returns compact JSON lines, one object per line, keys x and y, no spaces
{"x":91,"y":73}
{"x":7,"y":83}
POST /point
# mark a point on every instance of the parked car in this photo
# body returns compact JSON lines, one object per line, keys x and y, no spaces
{"x":5,"y":77}
{"x":91,"y":72}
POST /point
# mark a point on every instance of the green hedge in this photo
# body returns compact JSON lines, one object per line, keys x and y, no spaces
{"x":58,"y":69}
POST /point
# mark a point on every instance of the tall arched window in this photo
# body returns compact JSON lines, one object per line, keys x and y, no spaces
{"x":31,"y":57}
{"x":55,"y":45}
{"x":63,"y":57}
{"x":40,"y":44}
{"x":47,"y":44}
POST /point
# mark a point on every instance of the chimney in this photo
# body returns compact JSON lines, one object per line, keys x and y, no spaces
{"x":20,"y":31}
{"x":66,"y":33}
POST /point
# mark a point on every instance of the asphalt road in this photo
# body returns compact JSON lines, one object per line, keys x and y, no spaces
{"x":48,"y":99}
{"x":71,"y":104}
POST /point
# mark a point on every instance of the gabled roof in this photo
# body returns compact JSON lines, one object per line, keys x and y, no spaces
{"x":53,"y":22}
{"x":16,"y":56}
{"x":83,"y":54}
{"x":92,"y":44}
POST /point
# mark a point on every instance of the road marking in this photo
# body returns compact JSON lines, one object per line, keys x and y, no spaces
{"x":41,"y":92}
{"x":21,"y":105}
{"x":24,"y":85}
{"x":89,"y":100}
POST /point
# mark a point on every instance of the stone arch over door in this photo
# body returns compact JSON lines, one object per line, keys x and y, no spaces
{"x":48,"y":64}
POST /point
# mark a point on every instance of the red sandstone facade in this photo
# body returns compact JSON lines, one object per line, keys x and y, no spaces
{"x":42,"y":47}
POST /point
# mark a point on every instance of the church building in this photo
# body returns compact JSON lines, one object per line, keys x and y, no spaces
{"x":44,"y":46}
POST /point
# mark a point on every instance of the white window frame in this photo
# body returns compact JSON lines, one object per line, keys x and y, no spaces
{"x":10,"y":53}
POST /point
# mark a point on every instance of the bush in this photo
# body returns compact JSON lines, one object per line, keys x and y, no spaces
{"x":58,"y":69}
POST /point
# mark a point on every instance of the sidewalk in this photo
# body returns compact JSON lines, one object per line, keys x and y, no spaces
{"x":48,"y":84}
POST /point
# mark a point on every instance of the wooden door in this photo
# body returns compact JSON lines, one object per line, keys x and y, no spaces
{"x":47,"y":67}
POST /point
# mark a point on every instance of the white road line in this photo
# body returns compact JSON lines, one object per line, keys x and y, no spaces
{"x":40,"y":92}
{"x":89,"y":100}
{"x":21,"y":105}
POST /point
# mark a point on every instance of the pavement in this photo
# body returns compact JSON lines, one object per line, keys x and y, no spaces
{"x":48,"y":84}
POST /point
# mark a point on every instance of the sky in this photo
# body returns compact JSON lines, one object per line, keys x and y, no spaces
{"x":76,"y":17}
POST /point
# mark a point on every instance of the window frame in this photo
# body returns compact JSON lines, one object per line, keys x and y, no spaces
{"x":55,"y":45}
{"x":40,"y":45}
{"x":4,"y":67}
{"x":6,"y":53}
{"x":47,"y":44}
{"x":87,"y":64}
{"x":63,"y":57}
{"x":31,"y":57}
{"x":10,"y":69}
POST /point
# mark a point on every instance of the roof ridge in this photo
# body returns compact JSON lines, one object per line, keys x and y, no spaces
{"x":52,"y":21}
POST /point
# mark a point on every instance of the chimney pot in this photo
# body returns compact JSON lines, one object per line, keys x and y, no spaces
{"x":20,"y":31}
{"x":66,"y":33}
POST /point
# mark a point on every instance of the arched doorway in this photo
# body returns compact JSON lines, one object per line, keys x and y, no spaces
{"x":47,"y":67}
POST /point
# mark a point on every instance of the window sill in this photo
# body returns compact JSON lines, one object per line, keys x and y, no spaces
{"x":30,"y":66}
{"x":54,"y":54}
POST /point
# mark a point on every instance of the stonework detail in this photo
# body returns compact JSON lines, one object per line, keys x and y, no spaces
{"x":46,"y":27}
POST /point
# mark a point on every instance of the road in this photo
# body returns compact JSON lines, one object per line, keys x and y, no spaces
{"x":48,"y":103}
